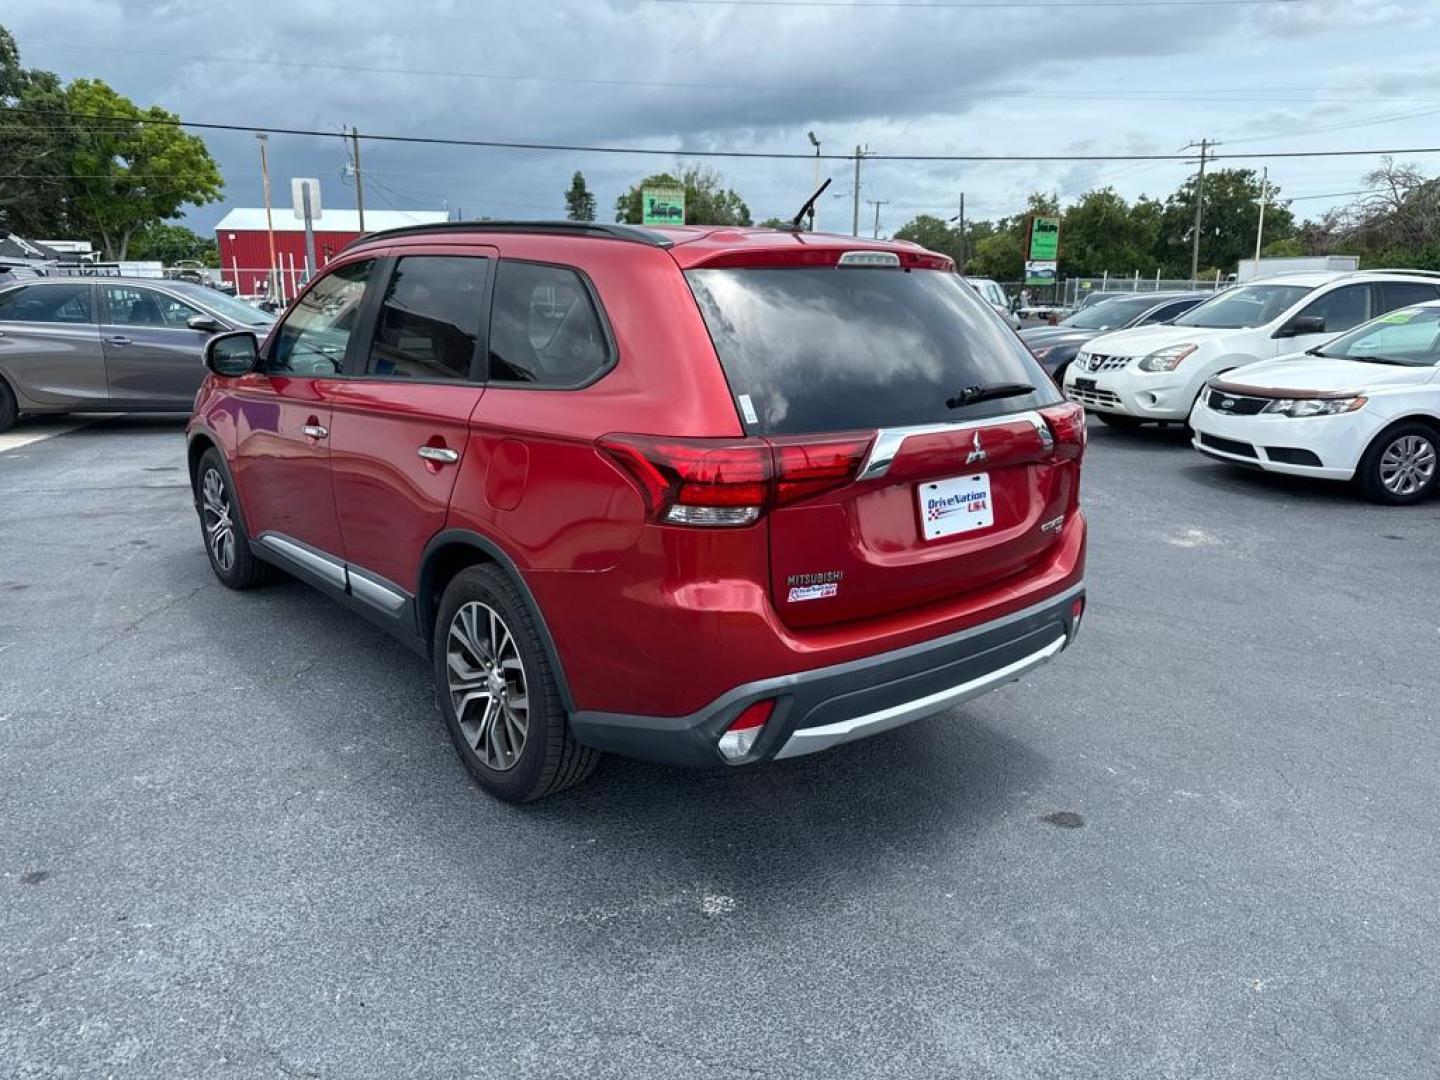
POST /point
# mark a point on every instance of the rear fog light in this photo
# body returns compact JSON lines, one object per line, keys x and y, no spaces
{"x":740,"y":736}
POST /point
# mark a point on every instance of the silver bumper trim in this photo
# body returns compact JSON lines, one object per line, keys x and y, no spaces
{"x":811,"y":740}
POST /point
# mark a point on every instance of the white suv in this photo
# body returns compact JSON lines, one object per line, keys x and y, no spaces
{"x":1157,"y":372}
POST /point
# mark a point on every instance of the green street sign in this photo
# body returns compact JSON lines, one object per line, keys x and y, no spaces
{"x":1044,"y":239}
{"x":663,"y":206}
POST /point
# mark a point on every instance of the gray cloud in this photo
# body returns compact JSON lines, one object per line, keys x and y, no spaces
{"x":644,"y":74}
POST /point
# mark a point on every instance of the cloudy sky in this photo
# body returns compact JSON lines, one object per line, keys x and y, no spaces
{"x":692,"y":75}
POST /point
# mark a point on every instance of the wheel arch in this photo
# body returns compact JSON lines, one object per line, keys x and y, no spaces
{"x":454,"y":550}
{"x":1424,"y":419}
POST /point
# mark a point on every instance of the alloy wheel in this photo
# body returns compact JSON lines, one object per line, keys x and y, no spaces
{"x":219,"y":528}
{"x":1407,"y":465}
{"x":487,"y":685}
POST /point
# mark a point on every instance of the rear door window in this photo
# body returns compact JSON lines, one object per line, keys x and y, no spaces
{"x":430,"y":318}
{"x":545,"y":329}
{"x":48,"y":304}
{"x":1398,"y":294}
{"x":809,"y":349}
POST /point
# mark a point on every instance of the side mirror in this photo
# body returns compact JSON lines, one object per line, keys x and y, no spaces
{"x":232,"y":355}
{"x":205,"y":323}
{"x":1303,"y":324}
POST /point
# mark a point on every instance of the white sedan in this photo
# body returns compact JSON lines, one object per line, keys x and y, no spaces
{"x":1365,"y":406}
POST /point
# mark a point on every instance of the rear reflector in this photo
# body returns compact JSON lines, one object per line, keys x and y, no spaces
{"x":730,"y":482}
{"x":740,"y":736}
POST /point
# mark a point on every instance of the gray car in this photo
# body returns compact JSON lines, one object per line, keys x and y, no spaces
{"x":109,"y":344}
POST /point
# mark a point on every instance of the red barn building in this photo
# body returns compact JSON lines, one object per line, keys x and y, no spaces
{"x":245,"y":248}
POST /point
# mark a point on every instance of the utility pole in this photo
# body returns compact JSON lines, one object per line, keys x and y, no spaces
{"x":1260,"y":229}
{"x":263,"y":139}
{"x":1205,"y":145}
{"x":359,"y":190}
{"x":814,"y":209}
{"x":855,"y":210}
{"x":964,"y":246}
{"x":877,"y":203}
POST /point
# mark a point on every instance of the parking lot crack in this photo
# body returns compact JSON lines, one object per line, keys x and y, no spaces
{"x":28,"y":979}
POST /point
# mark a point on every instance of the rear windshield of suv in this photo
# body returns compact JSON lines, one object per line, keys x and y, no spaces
{"x":810,"y":349}
{"x":1243,"y":307}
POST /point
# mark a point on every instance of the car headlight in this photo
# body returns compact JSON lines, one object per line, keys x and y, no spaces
{"x":1313,"y":406}
{"x":1167,"y":359}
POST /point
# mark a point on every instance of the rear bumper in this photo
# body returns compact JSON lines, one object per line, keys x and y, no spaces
{"x":824,"y":707}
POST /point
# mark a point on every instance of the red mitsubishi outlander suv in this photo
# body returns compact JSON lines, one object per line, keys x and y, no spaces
{"x":704,"y":495}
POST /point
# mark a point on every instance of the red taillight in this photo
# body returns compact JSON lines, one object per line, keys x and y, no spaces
{"x":732,"y":481}
{"x":1067,"y":424}
{"x":808,"y":466}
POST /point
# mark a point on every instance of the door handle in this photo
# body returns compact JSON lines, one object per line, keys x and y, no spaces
{"x":441,"y":454}
{"x":117,"y":340}
{"x":315,"y":431}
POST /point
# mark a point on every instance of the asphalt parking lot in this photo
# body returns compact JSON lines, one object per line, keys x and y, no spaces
{"x":235,"y":840}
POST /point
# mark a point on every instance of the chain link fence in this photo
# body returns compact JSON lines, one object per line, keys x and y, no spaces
{"x":1043,"y":302}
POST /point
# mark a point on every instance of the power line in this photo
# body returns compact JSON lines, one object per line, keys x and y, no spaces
{"x":767,"y":155}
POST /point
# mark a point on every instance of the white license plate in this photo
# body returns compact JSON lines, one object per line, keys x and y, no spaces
{"x":959,"y":505}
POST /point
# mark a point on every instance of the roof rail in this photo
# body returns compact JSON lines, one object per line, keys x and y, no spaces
{"x":631,"y":233}
{"x":1399,"y":270}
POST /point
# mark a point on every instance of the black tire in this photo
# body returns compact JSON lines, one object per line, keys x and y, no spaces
{"x":1118,"y":421}
{"x":241,"y":569}
{"x":549,"y":759}
{"x":9,"y":409}
{"x":1412,"y":443}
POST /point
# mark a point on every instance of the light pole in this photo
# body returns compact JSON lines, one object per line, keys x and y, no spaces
{"x":263,"y":139}
{"x":815,"y":143}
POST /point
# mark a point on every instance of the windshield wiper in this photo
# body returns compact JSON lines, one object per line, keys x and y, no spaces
{"x":973,"y":395}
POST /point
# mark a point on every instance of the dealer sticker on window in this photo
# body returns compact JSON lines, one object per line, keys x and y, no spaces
{"x":959,"y":505}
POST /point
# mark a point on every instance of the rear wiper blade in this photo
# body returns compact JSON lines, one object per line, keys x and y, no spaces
{"x":972,"y":395}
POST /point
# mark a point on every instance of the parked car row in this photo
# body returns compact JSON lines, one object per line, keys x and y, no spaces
{"x":1330,"y":375}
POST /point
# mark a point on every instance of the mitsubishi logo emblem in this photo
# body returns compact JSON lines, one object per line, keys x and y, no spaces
{"x":978,"y":451}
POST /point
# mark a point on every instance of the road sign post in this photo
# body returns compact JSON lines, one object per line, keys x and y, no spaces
{"x":305,"y":202}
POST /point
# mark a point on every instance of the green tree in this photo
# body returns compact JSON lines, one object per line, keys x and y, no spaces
{"x":932,"y":233}
{"x":170,"y":243}
{"x":774,"y":223}
{"x":127,"y":174}
{"x":1102,"y":232}
{"x":579,"y":201}
{"x":36,"y":144}
{"x":707,"y":200}
{"x":1231,"y":216}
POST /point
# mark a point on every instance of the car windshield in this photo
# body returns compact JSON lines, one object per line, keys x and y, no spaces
{"x":237,"y":311}
{"x":1110,"y":314}
{"x":1246,"y":306}
{"x":1409,"y":337}
{"x":810,"y":349}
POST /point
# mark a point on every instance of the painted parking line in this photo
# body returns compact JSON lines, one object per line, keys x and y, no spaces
{"x":26,"y":434}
